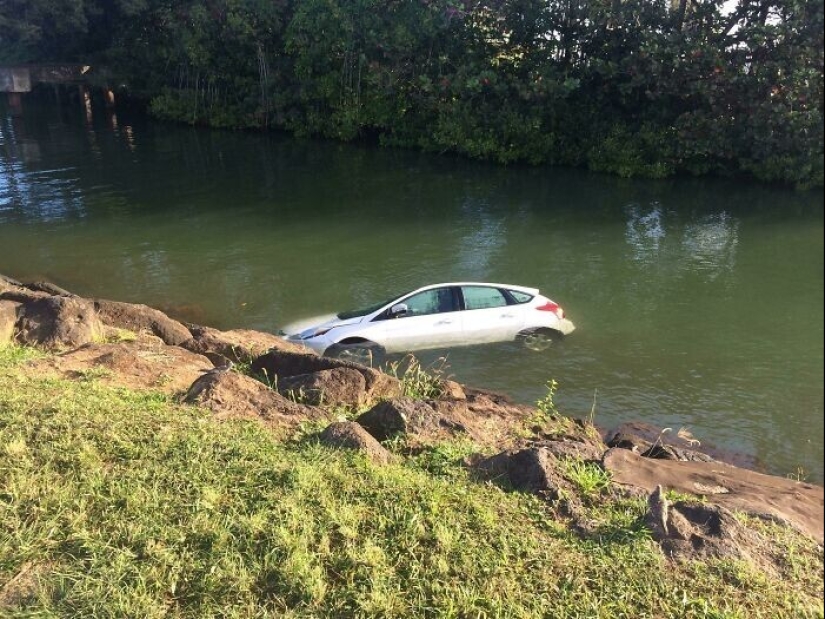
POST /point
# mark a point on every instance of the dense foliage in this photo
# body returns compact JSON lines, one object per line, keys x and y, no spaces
{"x":626,"y":86}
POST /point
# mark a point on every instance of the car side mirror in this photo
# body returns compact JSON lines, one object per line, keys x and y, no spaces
{"x":398,"y":310}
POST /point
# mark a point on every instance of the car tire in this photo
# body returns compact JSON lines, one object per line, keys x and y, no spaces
{"x":362,"y":353}
{"x":539,"y":339}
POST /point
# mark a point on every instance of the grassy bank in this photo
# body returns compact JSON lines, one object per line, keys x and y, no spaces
{"x":124,"y":504}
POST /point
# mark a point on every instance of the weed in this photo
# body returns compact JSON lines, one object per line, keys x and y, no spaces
{"x":444,"y":459}
{"x":418,"y":382}
{"x":588,"y":477}
{"x":94,"y":373}
{"x":302,"y":396}
{"x":800,"y":475}
{"x":116,"y":335}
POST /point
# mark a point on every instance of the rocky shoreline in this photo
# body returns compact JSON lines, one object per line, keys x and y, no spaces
{"x":243,"y":374}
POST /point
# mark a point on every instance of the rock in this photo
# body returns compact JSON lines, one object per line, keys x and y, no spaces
{"x":23,"y":295}
{"x":531,"y":470}
{"x":8,"y":318}
{"x":146,"y":363}
{"x":57,"y":322}
{"x":234,"y":396}
{"x":571,"y":449}
{"x":350,"y":435}
{"x":49,"y":288}
{"x":657,"y":512}
{"x":237,"y":345}
{"x":142,"y":318}
{"x":338,"y":386}
{"x":283,"y":364}
{"x":655,"y":442}
{"x":798,"y":504}
{"x":451,"y":390}
{"x":690,"y":529}
{"x":672,"y":452}
{"x":7,"y":283}
{"x":626,"y":440}
{"x":399,"y":416}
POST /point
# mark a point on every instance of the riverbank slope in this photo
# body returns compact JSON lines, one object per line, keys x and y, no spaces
{"x":144,"y":475}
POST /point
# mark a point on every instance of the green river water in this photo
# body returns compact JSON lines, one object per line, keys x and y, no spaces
{"x":698,"y":302}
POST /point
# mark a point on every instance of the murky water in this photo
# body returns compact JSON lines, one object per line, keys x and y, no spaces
{"x":699,"y":303}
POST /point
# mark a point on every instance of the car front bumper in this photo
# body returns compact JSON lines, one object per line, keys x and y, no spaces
{"x":318,"y":344}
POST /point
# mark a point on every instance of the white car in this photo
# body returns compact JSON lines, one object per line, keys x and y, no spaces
{"x":437,"y":316}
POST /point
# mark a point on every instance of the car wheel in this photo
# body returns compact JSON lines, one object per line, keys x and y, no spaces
{"x":540,"y":339}
{"x":362,"y":353}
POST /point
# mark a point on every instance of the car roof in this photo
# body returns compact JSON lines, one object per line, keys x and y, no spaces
{"x":525,"y":289}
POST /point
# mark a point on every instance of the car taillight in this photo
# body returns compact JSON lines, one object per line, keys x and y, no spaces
{"x":551,"y":307}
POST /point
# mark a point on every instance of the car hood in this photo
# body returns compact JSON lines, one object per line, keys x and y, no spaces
{"x":303,"y":328}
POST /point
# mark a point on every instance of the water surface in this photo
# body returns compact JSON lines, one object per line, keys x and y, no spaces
{"x":699,"y":303}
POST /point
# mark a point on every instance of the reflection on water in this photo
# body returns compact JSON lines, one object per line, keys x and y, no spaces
{"x":645,"y":232}
{"x":699,"y":303}
{"x":710,"y":244}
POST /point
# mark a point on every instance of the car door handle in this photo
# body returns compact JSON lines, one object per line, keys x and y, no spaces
{"x":444,"y":322}
{"x":506,"y":316}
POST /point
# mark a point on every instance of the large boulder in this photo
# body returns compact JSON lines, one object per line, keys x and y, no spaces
{"x":237,"y":345}
{"x":136,"y":317}
{"x":57,"y":322}
{"x":279,"y":364}
{"x":796,"y":503}
{"x":8,"y":319}
{"x":350,"y":435}
{"x":399,"y":416}
{"x":146,"y":363}
{"x":338,"y":386}
{"x":231,"y":395}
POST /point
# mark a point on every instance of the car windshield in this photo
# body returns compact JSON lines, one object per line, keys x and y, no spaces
{"x":356,"y":313}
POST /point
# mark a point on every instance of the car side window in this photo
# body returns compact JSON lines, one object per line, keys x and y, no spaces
{"x":482,"y":297}
{"x":434,"y":301}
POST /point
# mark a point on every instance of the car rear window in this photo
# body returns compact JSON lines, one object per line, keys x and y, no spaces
{"x":520,"y":297}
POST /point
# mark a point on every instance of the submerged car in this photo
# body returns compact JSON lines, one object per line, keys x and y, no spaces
{"x":437,"y":316}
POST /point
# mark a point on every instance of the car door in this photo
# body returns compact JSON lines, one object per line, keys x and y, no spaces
{"x":432,"y":320}
{"x":489,"y":316}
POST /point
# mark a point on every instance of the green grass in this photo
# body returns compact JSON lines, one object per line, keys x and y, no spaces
{"x":115,"y":503}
